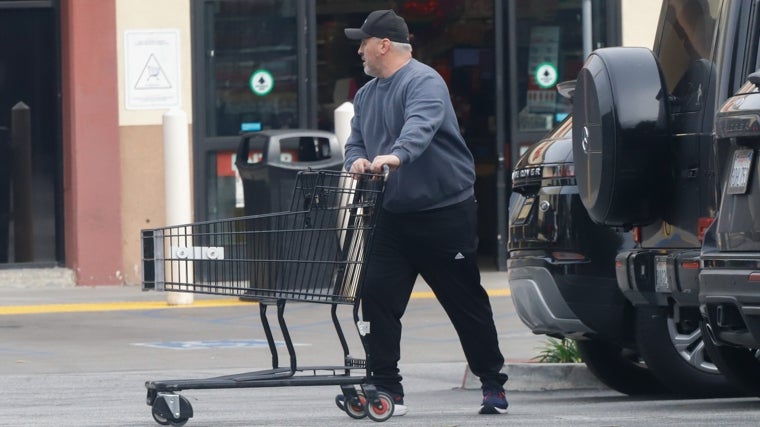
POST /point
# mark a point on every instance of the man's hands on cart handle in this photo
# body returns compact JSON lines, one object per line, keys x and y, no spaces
{"x":378,"y":165}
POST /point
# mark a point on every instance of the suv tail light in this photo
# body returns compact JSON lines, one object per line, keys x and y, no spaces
{"x":702,"y":225}
{"x":568,"y":256}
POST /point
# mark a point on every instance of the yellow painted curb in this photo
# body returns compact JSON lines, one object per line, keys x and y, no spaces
{"x":154,"y":305}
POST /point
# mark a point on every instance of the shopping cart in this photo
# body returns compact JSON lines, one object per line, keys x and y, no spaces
{"x":313,"y":253}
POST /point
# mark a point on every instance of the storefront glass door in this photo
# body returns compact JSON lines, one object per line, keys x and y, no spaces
{"x":251,"y":61}
{"x":457,"y":39}
{"x":549,"y":49}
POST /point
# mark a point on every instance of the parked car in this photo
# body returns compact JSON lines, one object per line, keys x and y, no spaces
{"x":643,"y":160}
{"x":729,"y":294}
{"x":561,"y":266}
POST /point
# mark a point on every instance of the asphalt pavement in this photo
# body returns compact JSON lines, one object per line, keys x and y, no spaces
{"x":427,"y":331}
{"x":80,"y":356}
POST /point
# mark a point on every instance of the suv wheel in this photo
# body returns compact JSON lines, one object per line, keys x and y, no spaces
{"x":618,"y":368}
{"x":675,"y":353}
{"x":739,"y":364}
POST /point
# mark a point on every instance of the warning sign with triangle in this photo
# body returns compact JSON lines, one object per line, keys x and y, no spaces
{"x":152,"y":76}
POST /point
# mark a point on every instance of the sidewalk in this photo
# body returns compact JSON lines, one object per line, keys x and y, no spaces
{"x":56,"y":286}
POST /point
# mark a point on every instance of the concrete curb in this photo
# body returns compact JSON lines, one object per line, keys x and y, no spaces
{"x":542,"y":377}
{"x":57,"y":277}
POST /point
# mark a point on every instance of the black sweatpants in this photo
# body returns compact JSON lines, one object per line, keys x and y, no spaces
{"x":441,"y":246}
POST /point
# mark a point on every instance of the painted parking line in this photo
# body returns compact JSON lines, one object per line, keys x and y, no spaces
{"x":155,"y":305}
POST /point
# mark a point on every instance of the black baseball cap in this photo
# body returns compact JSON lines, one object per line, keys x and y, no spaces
{"x":384,"y":24}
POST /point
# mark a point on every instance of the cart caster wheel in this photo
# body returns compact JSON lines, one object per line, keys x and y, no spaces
{"x":160,"y":419}
{"x":355,"y":407}
{"x":381,"y":410}
{"x":171,"y":409}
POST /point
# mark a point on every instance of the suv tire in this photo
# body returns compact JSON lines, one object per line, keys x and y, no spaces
{"x":677,"y":358}
{"x":739,"y":364}
{"x":618,"y":368}
{"x":621,"y":137}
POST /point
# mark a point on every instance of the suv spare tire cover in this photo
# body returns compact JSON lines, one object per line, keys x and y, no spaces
{"x":620,"y":137}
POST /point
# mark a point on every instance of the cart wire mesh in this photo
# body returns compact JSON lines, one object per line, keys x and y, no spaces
{"x":315,"y":252}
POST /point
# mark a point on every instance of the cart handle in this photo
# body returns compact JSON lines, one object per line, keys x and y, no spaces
{"x":386,"y":172}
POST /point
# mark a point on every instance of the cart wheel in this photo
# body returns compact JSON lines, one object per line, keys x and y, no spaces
{"x":164,"y":416}
{"x":381,"y":410}
{"x":169,"y":422}
{"x":159,"y":419}
{"x":354,"y":407}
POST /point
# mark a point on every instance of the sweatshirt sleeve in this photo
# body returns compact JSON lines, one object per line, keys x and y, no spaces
{"x":424,"y":111}
{"x":354,"y":148}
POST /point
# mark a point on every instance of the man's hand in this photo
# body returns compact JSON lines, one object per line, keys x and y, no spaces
{"x":359,"y":166}
{"x":392,"y":161}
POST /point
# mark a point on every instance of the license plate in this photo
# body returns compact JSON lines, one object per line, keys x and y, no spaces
{"x":740,"y":170}
{"x":661,"y":274}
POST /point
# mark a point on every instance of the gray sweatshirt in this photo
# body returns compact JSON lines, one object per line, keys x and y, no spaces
{"x":410,"y":116}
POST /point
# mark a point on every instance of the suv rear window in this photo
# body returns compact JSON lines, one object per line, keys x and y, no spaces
{"x":686,"y":49}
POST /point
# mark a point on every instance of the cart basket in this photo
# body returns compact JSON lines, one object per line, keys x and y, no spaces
{"x":315,"y":252}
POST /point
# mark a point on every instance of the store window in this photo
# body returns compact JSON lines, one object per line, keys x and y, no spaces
{"x":253,"y":60}
{"x":457,"y":39}
{"x":549,"y":51}
{"x":251,"y":63}
{"x":466,"y":41}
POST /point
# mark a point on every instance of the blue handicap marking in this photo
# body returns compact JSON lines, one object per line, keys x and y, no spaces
{"x":208,"y":344}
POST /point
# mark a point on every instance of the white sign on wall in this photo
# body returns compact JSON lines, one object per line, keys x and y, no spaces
{"x":152,"y":76}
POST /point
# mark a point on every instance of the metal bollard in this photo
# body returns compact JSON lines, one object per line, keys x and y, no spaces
{"x":23,"y":224}
{"x":177,"y":181}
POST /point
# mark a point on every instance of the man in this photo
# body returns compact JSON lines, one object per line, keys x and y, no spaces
{"x":428,"y":225}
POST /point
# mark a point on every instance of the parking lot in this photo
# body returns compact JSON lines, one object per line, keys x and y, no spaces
{"x":81,"y":356}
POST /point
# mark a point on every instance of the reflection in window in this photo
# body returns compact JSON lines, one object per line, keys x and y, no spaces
{"x":252,"y":58}
{"x":549,"y":51}
{"x":687,"y":49}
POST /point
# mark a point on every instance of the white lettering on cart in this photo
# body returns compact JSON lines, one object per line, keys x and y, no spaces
{"x":198,"y":252}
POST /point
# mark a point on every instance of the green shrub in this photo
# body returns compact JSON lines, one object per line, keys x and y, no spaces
{"x":559,"y":351}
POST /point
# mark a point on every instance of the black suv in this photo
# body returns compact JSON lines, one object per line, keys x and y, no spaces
{"x":730,"y":276}
{"x":561,"y":268}
{"x":644,"y":162}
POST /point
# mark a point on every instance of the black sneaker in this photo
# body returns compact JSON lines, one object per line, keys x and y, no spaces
{"x":494,"y":401}
{"x":399,"y":409}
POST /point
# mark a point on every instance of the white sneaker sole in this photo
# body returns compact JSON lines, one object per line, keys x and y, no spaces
{"x":399,"y":410}
{"x":492,"y":410}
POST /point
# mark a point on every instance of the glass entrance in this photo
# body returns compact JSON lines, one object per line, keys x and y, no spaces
{"x":30,"y":137}
{"x":486,"y":51}
{"x":457,"y":38}
{"x":549,"y":49}
{"x":252,"y":63}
